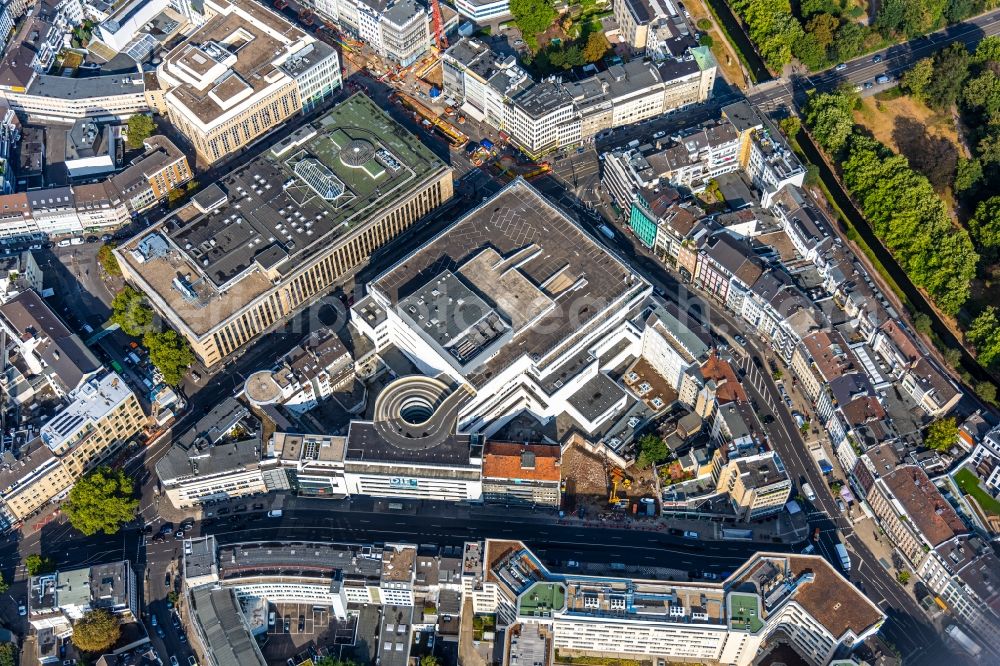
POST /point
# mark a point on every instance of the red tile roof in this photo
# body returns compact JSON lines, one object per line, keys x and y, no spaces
{"x":505,"y":460}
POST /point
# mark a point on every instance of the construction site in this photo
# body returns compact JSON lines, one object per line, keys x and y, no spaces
{"x":596,"y":488}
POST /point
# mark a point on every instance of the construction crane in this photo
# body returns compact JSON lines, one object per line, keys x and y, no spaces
{"x":439,"y":37}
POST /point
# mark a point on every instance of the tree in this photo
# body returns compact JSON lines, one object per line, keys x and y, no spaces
{"x":129,"y":310}
{"x":922,"y":323}
{"x":903,"y":577}
{"x":532,"y":16}
{"x":941,"y":434}
{"x":984,"y":225}
{"x":968,"y":174}
{"x":37,"y":565}
{"x":429,"y":660}
{"x":951,"y":68}
{"x":984,"y":334}
{"x":106,"y":257}
{"x":987,"y":392}
{"x":809,"y":51}
{"x":706,"y":40}
{"x":170,"y":353}
{"x":96,"y":631}
{"x":914,"y":80}
{"x":597,"y":46}
{"x":704,"y":24}
{"x":4,"y":585}
{"x":333,"y":661}
{"x":8,"y":654}
{"x":823,"y":28}
{"x":830,"y":117}
{"x":850,"y":40}
{"x":652,"y":450}
{"x":790,"y":126}
{"x":140,"y":128}
{"x":101,"y":501}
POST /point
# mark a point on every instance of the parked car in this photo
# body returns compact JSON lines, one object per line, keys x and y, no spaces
{"x":302,"y":623}
{"x":288,"y":625}
{"x":153,"y":620}
{"x":659,"y":135}
{"x":869,"y":85}
{"x":224,"y":510}
{"x":689,"y":534}
{"x":22,"y":610}
{"x":160,"y":632}
{"x":192,"y":661}
{"x":173,"y":660}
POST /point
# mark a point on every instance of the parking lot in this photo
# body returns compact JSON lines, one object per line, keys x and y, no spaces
{"x":301,"y":619}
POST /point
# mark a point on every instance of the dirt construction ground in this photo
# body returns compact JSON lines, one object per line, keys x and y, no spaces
{"x":588,"y":485}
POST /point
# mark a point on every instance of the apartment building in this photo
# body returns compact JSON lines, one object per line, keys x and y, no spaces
{"x":241,"y":74}
{"x":97,"y":206}
{"x":309,"y":212}
{"x":961,"y":572}
{"x":151,"y":177}
{"x":57,"y":600}
{"x":50,"y":98}
{"x":308,"y":374}
{"x":545,"y":115}
{"x":98,"y":419}
{"x":651,"y":26}
{"x":626,"y":618}
{"x":522,"y":474}
{"x":757,"y":485}
{"x":217,"y":458}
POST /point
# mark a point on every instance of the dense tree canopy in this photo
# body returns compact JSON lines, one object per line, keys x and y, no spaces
{"x":129,"y":310}
{"x":140,"y":128}
{"x":532,"y":16}
{"x":984,"y":333}
{"x":8,"y":654}
{"x":900,"y":204}
{"x":96,"y":631}
{"x":941,"y":435}
{"x":170,"y":353}
{"x":101,"y":501}
{"x":652,"y":451}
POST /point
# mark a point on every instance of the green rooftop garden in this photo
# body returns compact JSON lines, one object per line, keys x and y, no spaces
{"x":744,"y":611}
{"x":542,"y":598}
{"x":967,"y":481}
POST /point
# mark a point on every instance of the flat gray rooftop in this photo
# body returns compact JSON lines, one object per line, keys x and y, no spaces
{"x":532,"y":264}
{"x":275,"y":557}
{"x":226,"y":632}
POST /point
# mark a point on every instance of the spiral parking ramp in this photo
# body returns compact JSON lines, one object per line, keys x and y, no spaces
{"x":418,"y":413}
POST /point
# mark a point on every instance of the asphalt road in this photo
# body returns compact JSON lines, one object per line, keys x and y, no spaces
{"x":895,"y":60}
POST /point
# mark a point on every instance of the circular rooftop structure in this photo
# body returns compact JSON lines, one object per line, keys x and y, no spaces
{"x":357,"y":153}
{"x":417,"y":413}
{"x":261,"y":388}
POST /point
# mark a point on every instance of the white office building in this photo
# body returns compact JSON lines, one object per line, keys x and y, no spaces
{"x":530,"y":320}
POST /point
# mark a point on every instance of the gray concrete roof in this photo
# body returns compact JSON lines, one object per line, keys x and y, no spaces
{"x":227,"y":634}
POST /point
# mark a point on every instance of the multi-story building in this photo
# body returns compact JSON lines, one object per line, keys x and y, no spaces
{"x":97,"y":206}
{"x":127,"y":19}
{"x":802,"y":597}
{"x":57,"y":600}
{"x":311,"y":372}
{"x":290,"y":224}
{"x":241,"y":74}
{"x":483,"y":11}
{"x":412,"y":448}
{"x":309,"y":465}
{"x":100,"y":206}
{"x":151,"y":177}
{"x":10,"y":136}
{"x":100,"y":417}
{"x":217,"y":458}
{"x":54,"y":211}
{"x":757,"y":485}
{"x":522,"y":474}
{"x":961,"y":573}
{"x":543,"y":304}
{"x":50,"y":98}
{"x":545,"y":115}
